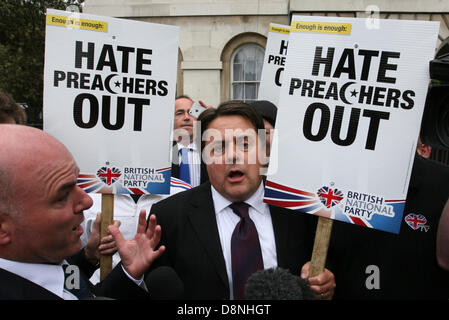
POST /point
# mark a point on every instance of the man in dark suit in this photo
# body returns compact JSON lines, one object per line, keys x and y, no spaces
{"x":205,"y":229}
{"x":443,"y":239}
{"x":185,"y":140}
{"x":41,"y":211}
{"x":375,"y":265}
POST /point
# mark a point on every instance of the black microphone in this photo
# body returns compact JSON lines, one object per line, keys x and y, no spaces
{"x":164,"y":284}
{"x":277,"y":284}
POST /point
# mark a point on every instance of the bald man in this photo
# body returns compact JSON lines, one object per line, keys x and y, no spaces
{"x":41,"y":211}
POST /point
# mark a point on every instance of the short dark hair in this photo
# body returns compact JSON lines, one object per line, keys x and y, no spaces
{"x":10,"y":109}
{"x":230,"y":108}
{"x":267,"y":110}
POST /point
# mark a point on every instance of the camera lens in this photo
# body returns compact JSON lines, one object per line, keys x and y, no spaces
{"x":435,"y":123}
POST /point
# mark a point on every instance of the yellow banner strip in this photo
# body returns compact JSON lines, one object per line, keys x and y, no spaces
{"x":72,"y":22}
{"x":321,"y":27}
{"x":279,"y":29}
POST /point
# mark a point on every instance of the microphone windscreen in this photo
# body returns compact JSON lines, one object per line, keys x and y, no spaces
{"x":163,"y":283}
{"x":277,"y":284}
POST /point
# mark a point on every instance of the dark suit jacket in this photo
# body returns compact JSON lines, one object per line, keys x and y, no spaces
{"x":406,"y":263}
{"x":175,"y":166}
{"x":193,"y":249}
{"x":116,"y":285}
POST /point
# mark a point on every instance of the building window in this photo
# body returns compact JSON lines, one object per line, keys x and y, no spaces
{"x":230,"y":50}
{"x":246,"y":69}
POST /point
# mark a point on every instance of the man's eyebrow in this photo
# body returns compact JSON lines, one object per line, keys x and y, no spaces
{"x":70,"y":184}
{"x":63,"y":189}
{"x":67,"y":186}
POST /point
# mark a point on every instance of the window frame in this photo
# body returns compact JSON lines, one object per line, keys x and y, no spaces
{"x":227,"y":54}
{"x":243,"y":81}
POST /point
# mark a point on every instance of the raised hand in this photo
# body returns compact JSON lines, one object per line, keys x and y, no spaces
{"x":139,"y":253}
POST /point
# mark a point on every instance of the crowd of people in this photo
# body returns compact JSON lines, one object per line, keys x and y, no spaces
{"x":213,"y":230}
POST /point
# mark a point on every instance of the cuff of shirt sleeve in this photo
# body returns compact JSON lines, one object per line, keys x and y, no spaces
{"x":138,"y":282}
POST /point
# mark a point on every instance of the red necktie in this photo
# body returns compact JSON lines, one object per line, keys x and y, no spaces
{"x":245,"y":250}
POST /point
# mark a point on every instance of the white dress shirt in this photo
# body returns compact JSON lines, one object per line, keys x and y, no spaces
{"x":259,"y":212}
{"x":194,"y":158}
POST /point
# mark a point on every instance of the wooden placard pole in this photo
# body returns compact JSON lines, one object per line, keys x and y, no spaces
{"x":320,"y":246}
{"x":107,"y":218}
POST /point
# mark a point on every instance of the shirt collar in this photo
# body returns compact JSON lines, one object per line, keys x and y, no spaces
{"x":191,"y":146}
{"x":48,"y":276}
{"x":255,"y":201}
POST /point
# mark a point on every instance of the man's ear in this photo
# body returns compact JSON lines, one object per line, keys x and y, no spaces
{"x":424,"y":150}
{"x":5,"y":229}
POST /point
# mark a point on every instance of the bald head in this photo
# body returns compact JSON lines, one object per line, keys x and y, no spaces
{"x":23,"y":140}
{"x":44,"y":201}
{"x":24,"y":151}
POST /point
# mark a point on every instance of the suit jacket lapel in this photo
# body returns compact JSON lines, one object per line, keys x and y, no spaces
{"x":280,"y":226}
{"x":202,"y":217}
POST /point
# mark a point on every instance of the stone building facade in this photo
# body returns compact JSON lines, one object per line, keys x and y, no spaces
{"x":222,"y":42}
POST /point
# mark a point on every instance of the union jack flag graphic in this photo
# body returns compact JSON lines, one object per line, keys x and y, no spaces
{"x":174,"y":183}
{"x":98,"y":182}
{"x":330,"y":197}
{"x":415,"y":221}
{"x":294,"y":199}
{"x":109,"y":175}
{"x":323,"y":203}
{"x":89,"y":183}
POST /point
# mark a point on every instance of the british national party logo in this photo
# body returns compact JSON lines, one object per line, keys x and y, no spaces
{"x":109,"y":175}
{"x":329,"y":197}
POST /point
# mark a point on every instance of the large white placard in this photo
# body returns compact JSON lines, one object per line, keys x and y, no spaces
{"x":273,"y":63}
{"x":350,"y":109}
{"x":109,"y":88}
